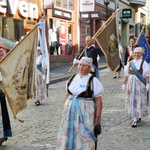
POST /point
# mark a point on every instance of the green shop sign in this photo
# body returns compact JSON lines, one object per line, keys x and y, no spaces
{"x":126,"y":13}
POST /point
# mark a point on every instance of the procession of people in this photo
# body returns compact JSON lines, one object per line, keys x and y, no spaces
{"x":135,"y":82}
{"x":81,"y":119}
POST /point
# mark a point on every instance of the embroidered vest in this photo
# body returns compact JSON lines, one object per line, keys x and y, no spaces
{"x":88,"y":93}
{"x":140,"y":70}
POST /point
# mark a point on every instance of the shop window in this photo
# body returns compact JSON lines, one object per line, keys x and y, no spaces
{"x":18,"y":24}
{"x":58,"y":42}
{"x":11,"y":29}
{"x":54,"y":33}
{"x":70,"y":45}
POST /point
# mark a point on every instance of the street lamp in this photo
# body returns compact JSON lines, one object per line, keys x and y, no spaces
{"x":106,"y":2}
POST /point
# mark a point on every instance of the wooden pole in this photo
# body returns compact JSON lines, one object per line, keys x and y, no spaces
{"x":139,"y":35}
{"x":78,"y":58}
{"x":106,"y":23}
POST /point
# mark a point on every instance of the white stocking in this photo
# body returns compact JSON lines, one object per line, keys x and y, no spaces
{"x":134,"y":120}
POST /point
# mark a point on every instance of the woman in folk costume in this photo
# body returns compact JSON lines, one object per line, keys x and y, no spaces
{"x":40,"y":78}
{"x":82,"y":110}
{"x":136,"y":78}
{"x":5,"y":128}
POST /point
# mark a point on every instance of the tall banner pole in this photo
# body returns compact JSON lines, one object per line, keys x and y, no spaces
{"x":139,"y":35}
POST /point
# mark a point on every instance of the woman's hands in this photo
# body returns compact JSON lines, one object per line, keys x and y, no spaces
{"x":97,"y":121}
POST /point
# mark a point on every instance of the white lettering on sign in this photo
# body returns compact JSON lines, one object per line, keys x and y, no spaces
{"x":12,"y":6}
{"x":58,"y":12}
{"x":25,"y":9}
{"x":94,"y":15}
{"x":2,"y":6}
{"x":64,"y":14}
{"x":90,"y":15}
{"x":84,"y":15}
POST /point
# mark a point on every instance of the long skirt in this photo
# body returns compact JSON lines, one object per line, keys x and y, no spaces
{"x":136,"y":98}
{"x":40,"y":86}
{"x":5,"y":128}
{"x":81,"y":139}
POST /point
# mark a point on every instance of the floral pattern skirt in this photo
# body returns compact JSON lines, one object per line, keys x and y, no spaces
{"x":40,"y":86}
{"x":136,"y":102}
{"x":82,"y":140}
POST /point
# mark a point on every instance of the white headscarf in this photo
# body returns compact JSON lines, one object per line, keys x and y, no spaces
{"x":138,"y":49}
{"x":86,"y":60}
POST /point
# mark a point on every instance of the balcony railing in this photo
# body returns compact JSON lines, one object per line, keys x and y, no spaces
{"x":138,"y":3}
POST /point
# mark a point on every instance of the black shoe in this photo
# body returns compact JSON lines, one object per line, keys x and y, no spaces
{"x":114,"y":77}
{"x":2,"y":140}
{"x":37,"y":103}
{"x":134,"y":124}
{"x":139,"y":120}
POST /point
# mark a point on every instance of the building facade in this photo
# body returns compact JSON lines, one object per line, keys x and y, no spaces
{"x":126,"y":26}
{"x":62,"y":28}
{"x":18,"y":17}
{"x":138,"y":21}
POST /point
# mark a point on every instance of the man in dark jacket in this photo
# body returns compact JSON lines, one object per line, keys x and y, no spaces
{"x":91,"y":52}
{"x":129,"y":51}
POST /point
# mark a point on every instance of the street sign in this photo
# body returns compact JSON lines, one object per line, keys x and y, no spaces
{"x":127,"y":13}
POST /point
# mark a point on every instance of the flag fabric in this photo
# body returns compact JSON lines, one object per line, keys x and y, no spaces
{"x":142,"y":42}
{"x":107,"y":39}
{"x":43,"y":45}
{"x":18,"y":69}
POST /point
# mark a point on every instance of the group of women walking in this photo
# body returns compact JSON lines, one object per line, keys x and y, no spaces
{"x":83,"y":104}
{"x":136,"y":84}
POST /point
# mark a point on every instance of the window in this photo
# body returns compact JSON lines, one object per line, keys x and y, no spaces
{"x":58,"y":42}
{"x":131,"y":29}
{"x":66,"y":4}
{"x":88,"y":30}
{"x":58,"y":3}
{"x":142,"y":19}
{"x":70,"y":45}
{"x":54,"y":41}
{"x":70,"y":4}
